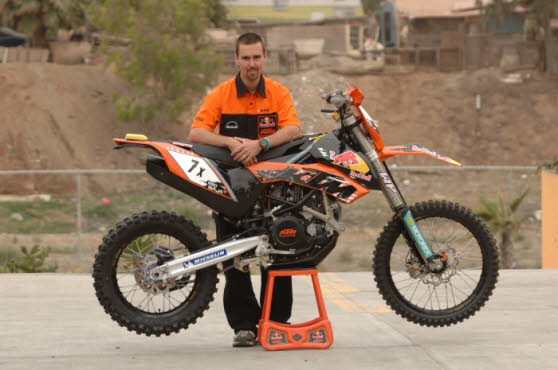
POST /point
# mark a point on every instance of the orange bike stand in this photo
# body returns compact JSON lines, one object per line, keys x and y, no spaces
{"x":275,"y":336}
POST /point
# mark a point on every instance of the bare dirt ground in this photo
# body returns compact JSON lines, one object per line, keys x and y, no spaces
{"x":56,"y":116}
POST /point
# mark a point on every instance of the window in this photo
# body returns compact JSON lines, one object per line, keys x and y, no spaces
{"x":354,"y":36}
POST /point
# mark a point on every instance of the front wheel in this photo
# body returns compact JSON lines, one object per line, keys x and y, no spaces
{"x":449,"y":295}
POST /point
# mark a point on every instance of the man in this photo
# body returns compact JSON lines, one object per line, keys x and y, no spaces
{"x":252,"y":114}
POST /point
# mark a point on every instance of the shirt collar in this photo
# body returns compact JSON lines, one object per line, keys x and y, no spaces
{"x":241,"y":89}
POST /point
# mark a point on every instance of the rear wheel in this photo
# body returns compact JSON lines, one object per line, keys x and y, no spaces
{"x":456,"y":291}
{"x":123,"y":284}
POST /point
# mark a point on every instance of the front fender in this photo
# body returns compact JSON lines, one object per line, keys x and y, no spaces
{"x":414,"y":149}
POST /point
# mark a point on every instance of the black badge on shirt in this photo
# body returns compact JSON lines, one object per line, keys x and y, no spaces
{"x":268,"y":124}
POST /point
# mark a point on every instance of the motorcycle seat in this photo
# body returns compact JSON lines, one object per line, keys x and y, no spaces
{"x":223,"y":155}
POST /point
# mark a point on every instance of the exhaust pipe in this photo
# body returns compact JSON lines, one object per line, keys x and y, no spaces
{"x":190,"y":263}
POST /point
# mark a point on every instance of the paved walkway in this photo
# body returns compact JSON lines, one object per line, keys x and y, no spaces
{"x":53,"y":321}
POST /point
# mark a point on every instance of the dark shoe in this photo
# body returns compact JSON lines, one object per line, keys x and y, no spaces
{"x":245,"y":338}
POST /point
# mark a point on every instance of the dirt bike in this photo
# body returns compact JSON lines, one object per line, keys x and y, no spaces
{"x":435,"y":263}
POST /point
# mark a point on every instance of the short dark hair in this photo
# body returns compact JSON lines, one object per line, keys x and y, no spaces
{"x":249,"y":38}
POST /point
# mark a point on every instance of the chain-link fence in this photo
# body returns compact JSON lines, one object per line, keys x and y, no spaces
{"x":70,"y":210}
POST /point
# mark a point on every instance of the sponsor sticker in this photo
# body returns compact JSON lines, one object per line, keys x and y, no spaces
{"x":350,"y":160}
{"x":187,"y":145}
{"x":287,"y":233}
{"x":198,"y":170}
{"x":359,"y":175}
{"x":233,"y":125}
{"x":318,"y":336}
{"x":417,"y":235}
{"x":178,"y":150}
{"x":207,"y":257}
{"x":267,"y":124}
{"x":277,"y":337}
{"x":387,"y":181}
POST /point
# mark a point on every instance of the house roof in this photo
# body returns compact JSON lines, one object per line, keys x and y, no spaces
{"x":432,"y":8}
{"x":325,"y":21}
{"x":473,"y":5}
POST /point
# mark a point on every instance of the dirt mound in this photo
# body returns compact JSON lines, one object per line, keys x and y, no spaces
{"x":438,"y":110}
{"x":62,"y":117}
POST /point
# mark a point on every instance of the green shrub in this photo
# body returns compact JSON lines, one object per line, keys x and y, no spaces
{"x":169,"y":60}
{"x":29,"y":261}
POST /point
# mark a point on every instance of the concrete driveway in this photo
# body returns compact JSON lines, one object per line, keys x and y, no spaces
{"x":53,"y":321}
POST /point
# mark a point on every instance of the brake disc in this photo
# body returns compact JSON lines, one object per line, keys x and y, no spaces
{"x":145,"y":282}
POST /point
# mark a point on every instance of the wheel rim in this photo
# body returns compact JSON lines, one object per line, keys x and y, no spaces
{"x":459,"y":280}
{"x":132,"y":275}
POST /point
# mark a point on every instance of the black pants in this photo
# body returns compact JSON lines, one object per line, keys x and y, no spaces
{"x":241,"y":306}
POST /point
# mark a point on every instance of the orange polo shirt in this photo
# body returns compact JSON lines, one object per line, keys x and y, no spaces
{"x":235,"y":112}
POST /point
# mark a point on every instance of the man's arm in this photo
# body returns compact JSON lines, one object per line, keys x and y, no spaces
{"x":249,"y":149}
{"x":203,"y":136}
{"x":284,"y":135}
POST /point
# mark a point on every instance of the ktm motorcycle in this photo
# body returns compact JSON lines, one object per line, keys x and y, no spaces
{"x":435,"y":263}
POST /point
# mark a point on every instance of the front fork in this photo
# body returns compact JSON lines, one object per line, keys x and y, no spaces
{"x":412,"y":232}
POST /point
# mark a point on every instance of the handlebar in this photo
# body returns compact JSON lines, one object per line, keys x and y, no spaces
{"x":337,"y":98}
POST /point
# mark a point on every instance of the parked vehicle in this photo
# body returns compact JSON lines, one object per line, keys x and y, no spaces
{"x":10,"y":38}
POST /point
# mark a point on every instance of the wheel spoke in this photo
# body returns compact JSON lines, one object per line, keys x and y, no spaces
{"x":437,"y":300}
{"x":411,"y":299}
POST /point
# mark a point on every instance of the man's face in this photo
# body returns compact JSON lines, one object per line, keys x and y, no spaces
{"x":251,"y":59}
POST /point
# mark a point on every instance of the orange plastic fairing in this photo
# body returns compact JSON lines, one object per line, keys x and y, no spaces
{"x":357,"y":96}
{"x":165,"y":150}
{"x":305,"y":175}
{"x":374,"y":133}
{"x":413,"y":149}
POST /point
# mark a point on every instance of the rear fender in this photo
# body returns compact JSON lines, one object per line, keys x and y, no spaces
{"x":185,"y":164}
{"x":414,"y":149}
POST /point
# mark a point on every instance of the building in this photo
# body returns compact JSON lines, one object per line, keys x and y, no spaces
{"x":340,"y":35}
{"x":290,"y":10}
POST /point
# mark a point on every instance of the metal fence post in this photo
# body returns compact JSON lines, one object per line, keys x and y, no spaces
{"x":510,"y":184}
{"x":78,"y":208}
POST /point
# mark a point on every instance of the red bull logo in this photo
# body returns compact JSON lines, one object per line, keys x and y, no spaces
{"x":346,"y":159}
{"x":358,"y":175}
{"x":267,"y":122}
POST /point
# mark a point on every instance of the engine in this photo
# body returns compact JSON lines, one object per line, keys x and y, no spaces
{"x":294,"y":229}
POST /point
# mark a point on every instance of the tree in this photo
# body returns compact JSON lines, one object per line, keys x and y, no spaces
{"x":41,"y":19}
{"x":502,"y":218}
{"x":169,"y":61}
{"x":217,"y":13}
{"x":370,"y":6}
{"x":541,"y":12}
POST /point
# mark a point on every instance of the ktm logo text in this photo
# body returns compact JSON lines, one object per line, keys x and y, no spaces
{"x":287,"y":233}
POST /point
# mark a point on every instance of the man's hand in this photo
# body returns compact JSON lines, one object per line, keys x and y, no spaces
{"x":247,"y":151}
{"x":233,"y":143}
